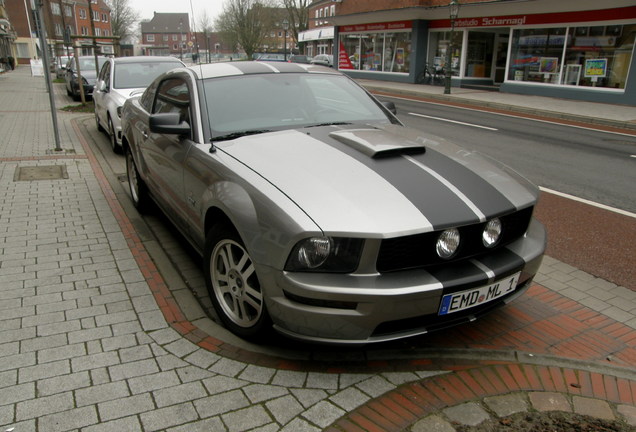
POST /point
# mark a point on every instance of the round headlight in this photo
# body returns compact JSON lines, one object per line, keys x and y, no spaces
{"x":492,"y":233}
{"x":447,"y":243}
{"x":313,"y":252}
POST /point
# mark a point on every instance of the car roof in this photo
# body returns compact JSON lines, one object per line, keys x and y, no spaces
{"x":146,"y":59}
{"x":217,"y":70}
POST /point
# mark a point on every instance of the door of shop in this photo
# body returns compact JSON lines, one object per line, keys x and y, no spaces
{"x":501,"y":53}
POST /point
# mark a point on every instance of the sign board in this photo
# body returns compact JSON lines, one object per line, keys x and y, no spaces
{"x":595,"y":68}
{"x":37,"y":69}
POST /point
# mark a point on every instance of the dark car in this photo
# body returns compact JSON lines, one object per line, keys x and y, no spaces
{"x":88,"y":72}
{"x":322,"y":215}
{"x":299,"y":59}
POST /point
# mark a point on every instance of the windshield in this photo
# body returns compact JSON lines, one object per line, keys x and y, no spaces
{"x":286,"y":100}
{"x":137,"y":75}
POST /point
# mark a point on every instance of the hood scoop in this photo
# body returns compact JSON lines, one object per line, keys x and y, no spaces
{"x":377,"y":143}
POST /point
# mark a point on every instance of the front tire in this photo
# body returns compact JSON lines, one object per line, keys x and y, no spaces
{"x":233,"y":285}
{"x":138,"y":189}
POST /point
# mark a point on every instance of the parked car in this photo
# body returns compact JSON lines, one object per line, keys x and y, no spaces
{"x":299,"y":59}
{"x":321,"y":214}
{"x":88,"y":72}
{"x":119,"y":79}
{"x":271,"y":57}
{"x":60,"y":65}
{"x":323,"y":60}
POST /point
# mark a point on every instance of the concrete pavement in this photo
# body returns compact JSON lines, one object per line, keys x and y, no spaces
{"x":103,"y":322}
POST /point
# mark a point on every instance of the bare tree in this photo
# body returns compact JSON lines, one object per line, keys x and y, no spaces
{"x":245,"y":23}
{"x":122,"y":18}
{"x":204,"y":25}
{"x":298,"y":15}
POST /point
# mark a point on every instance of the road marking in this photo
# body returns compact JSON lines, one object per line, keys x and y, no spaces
{"x":519,"y":115}
{"x":588,"y":202}
{"x":453,"y":121}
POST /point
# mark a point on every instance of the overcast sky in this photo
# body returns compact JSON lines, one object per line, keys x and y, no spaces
{"x":147,"y":8}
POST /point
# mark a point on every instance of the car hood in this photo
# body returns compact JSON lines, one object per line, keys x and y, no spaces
{"x":127,"y":93}
{"x":382,"y":181}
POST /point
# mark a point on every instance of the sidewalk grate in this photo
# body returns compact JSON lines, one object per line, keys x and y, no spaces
{"x":44,"y":172}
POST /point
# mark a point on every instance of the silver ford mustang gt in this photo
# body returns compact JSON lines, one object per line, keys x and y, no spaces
{"x":318,"y":213}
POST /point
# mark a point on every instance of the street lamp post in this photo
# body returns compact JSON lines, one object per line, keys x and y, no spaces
{"x":285,"y":27}
{"x":453,"y":7}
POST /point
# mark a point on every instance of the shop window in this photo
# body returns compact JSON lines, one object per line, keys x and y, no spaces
{"x":536,"y":54}
{"x":599,"y":56}
{"x":379,"y":52}
{"x":440,"y":42}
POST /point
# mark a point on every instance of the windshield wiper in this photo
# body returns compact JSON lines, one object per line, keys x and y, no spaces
{"x":339,"y":123}
{"x":240,"y":134}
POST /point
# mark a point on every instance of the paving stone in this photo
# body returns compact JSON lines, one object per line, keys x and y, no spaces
{"x":213,"y":424}
{"x":63,"y":383}
{"x":93,"y":361}
{"x":323,"y":414}
{"x":17,"y":393}
{"x":163,"y":418}
{"x":124,"y":407}
{"x":284,"y":409}
{"x":592,"y":407}
{"x":127,"y":424}
{"x":257,"y":393}
{"x":135,"y":353}
{"x":375,"y":386}
{"x":68,"y":420}
{"x":202,"y":358}
{"x":227,"y":367}
{"x":300,"y":425}
{"x":44,"y":405}
{"x":289,"y":378}
{"x":349,"y":398}
{"x":149,"y":383}
{"x":247,"y":418}
{"x":181,"y":347}
{"x":257,"y":374}
{"x":221,"y":403}
{"x":61,"y":353}
{"x":133,"y":369}
{"x":549,"y":401}
{"x":628,"y":413}
{"x":308,"y":397}
{"x":322,"y":381}
{"x":179,"y":394}
{"x":7,"y":415}
{"x":432,"y":423}
{"x":42,"y":371}
{"x":101,"y":393}
{"x":470,"y":414}
{"x":507,"y":404}
{"x":8,"y":378}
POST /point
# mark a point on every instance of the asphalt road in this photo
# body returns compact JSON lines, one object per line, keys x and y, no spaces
{"x":591,"y":164}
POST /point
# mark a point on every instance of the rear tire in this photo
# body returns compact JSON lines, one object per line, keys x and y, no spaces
{"x":233,"y":285}
{"x":138,"y":189}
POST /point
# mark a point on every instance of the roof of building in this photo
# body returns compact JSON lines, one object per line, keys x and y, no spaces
{"x":167,"y":23}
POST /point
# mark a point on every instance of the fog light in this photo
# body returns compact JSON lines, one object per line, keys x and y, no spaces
{"x":447,"y":243}
{"x":492,"y":233}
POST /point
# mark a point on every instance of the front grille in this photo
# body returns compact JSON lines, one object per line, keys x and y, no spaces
{"x":418,"y":250}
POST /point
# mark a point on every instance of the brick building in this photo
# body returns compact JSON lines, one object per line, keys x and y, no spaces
{"x":167,"y":34}
{"x":579,"y":49}
{"x":61,"y":18}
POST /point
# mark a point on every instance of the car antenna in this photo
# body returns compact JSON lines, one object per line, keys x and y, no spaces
{"x":205,"y":99}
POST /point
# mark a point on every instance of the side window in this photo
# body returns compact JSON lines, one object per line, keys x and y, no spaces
{"x":148,"y":96}
{"x":104,"y":74}
{"x":173,"y":95}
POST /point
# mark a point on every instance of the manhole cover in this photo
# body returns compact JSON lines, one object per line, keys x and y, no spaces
{"x":44,"y":172}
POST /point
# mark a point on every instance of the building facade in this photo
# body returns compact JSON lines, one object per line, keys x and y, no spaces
{"x":167,"y":34}
{"x":577,"y":49}
{"x":65,"y":22}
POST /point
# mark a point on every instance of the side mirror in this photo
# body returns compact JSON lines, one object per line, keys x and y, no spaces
{"x":168,"y":123}
{"x":390,"y":106}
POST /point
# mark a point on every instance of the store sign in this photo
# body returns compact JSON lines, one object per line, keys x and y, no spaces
{"x":595,"y":68}
{"x":376,"y":27}
{"x":344,"y":62}
{"x":624,"y":13}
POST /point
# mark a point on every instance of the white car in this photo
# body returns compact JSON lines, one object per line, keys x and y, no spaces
{"x":119,"y":79}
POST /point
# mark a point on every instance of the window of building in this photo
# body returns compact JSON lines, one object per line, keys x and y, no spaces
{"x":380,"y":52}
{"x":82,"y":13}
{"x":104,"y":17}
{"x":95,"y":16}
{"x":55,"y":9}
{"x":59,"y":30}
{"x":106,"y":32}
{"x":175,"y":37}
{"x":439,"y":46}
{"x":85,"y":31}
{"x":98,"y":31}
{"x":184,"y":37}
{"x":165,"y":38}
{"x":150,"y":38}
{"x":589,"y":56}
{"x":68,"y":11}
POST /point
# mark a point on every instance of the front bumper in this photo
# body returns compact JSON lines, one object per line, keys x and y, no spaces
{"x":359,"y":309}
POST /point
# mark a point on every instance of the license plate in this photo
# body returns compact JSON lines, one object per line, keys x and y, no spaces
{"x":459,"y":301}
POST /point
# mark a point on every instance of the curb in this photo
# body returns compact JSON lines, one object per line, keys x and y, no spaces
{"x":472,"y":396}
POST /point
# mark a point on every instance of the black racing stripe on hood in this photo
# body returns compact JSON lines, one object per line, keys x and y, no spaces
{"x":481,"y":193}
{"x":433,"y":199}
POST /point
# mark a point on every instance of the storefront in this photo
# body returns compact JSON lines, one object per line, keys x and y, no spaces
{"x":586,"y":55}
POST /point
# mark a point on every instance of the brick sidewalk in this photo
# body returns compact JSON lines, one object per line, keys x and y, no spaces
{"x":93,"y":338}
